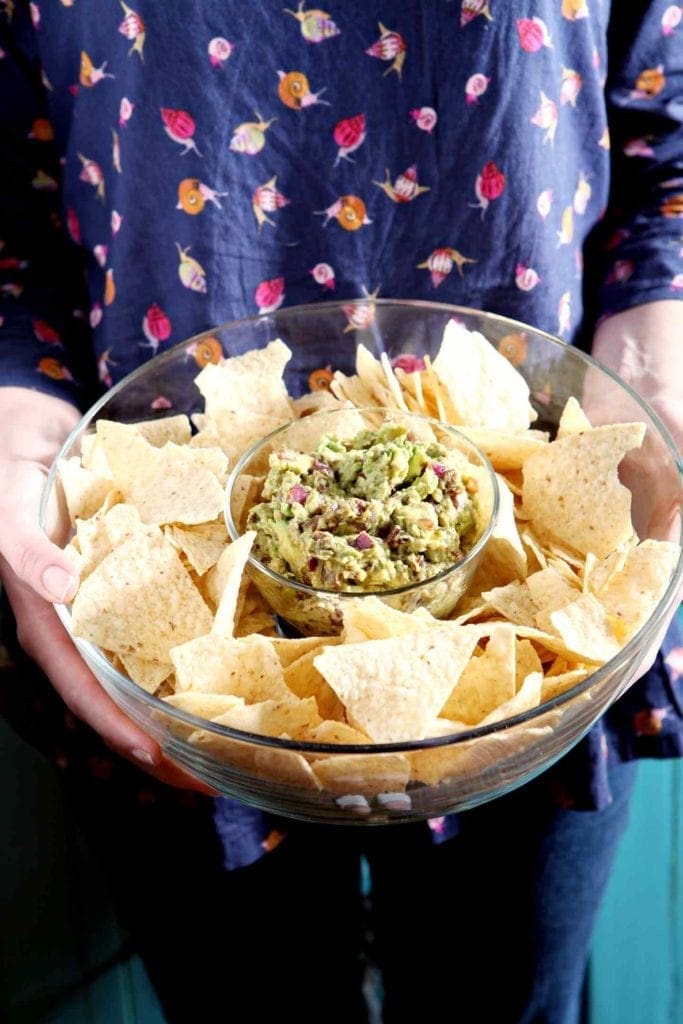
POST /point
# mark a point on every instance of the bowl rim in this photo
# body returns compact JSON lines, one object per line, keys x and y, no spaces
{"x":305,"y":588}
{"x":138,"y":695}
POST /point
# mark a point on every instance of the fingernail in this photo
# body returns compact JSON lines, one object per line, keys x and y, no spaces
{"x":59,"y":583}
{"x":144,"y":757}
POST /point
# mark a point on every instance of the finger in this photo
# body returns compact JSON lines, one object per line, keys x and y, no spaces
{"x":44,"y":638}
{"x":29,"y":553}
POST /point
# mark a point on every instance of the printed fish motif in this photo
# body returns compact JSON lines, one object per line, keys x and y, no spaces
{"x":649,"y":83}
{"x":425,"y":118}
{"x":96,"y":315}
{"x":156,"y":327}
{"x":349,"y":136}
{"x":193,"y":195}
{"x":103,"y":364}
{"x":564,"y":314}
{"x":322,"y":273}
{"x":405,"y":187}
{"x":43,"y":182}
{"x":604,"y":140}
{"x":205,"y":351}
{"x":190,"y":271}
{"x":650,"y":721}
{"x":133,"y":27}
{"x":476,"y":86}
{"x":638,"y":147}
{"x":316,"y":25}
{"x":526,"y":278}
{"x":266,"y":199}
{"x":41,"y":130}
{"x":361,"y":315}
{"x":89,"y":74}
{"x":250,"y":137}
{"x":514,"y":347}
{"x":116,"y":151}
{"x":533,"y":34}
{"x":350,"y":213}
{"x":390,"y":46}
{"x":295,"y":92}
{"x":471,"y":9}
{"x":126,"y":109}
{"x":92,"y":173}
{"x":621,"y":271}
{"x":566,"y":232}
{"x":180,"y":127}
{"x":582,"y":194}
{"x":544,"y":202}
{"x":116,"y":222}
{"x":220,"y":50}
{"x":46,"y":333}
{"x":100,"y":252}
{"x":671,"y":19}
{"x":440,"y":263}
{"x":269,"y":295}
{"x":573,"y":10}
{"x":546,"y":117}
{"x":54,"y":369}
{"x":571,"y":87}
{"x":489,"y":185}
{"x":109,"y":287}
{"x":677,"y":283}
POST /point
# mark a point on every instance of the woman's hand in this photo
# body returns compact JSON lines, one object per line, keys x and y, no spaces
{"x":35,"y":573}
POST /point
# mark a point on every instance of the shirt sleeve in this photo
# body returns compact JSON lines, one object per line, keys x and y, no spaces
{"x":640,"y":242}
{"x":44,"y":332}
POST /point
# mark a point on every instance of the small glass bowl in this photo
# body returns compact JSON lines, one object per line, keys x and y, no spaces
{"x":314,"y":611}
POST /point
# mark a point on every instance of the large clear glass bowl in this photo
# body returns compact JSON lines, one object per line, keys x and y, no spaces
{"x":367,"y":785}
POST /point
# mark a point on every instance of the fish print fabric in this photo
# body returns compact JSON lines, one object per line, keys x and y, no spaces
{"x":168,"y":167}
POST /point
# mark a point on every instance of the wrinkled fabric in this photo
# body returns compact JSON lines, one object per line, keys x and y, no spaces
{"x":169,"y":167}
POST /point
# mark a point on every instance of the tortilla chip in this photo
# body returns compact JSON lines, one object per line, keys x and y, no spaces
{"x":147,"y":674}
{"x":203,"y":705}
{"x":585,"y":630}
{"x":572,"y":490}
{"x":573,"y":419}
{"x":527,"y":697}
{"x":505,"y":450}
{"x":504,"y":553}
{"x":248,"y":383}
{"x":169,"y":428}
{"x":167,"y":485}
{"x":632,"y":593}
{"x":225,"y":583}
{"x":84,"y":492}
{"x":486,"y":682}
{"x":549,"y":591}
{"x":433,"y":764}
{"x":553,"y":686}
{"x":483,"y":388}
{"x":352,"y":389}
{"x":272,"y":718}
{"x":247,"y":668}
{"x":93,"y":456}
{"x":526,"y":661}
{"x":513,"y":602}
{"x":304,"y":435}
{"x":365,"y":774}
{"x":289,"y":650}
{"x":304,"y":680}
{"x":370,"y":618}
{"x":316,"y":401}
{"x":393,"y":688}
{"x":337,"y":732}
{"x":286,"y":767}
{"x":140,"y":600}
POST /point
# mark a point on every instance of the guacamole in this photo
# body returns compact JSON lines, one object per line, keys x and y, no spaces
{"x":375,"y":512}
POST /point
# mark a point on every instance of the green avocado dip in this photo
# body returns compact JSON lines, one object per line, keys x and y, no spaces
{"x":375,"y":512}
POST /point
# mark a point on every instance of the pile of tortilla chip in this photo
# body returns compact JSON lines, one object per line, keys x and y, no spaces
{"x":563,"y":583}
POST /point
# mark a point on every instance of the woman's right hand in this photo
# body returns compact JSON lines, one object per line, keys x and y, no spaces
{"x":35,"y":573}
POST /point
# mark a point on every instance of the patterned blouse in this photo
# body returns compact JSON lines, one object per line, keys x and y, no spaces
{"x":169,"y":166}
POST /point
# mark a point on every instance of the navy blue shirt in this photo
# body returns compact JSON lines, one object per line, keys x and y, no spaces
{"x":169,"y":167}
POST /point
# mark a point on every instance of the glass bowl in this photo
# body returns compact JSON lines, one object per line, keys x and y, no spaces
{"x":313,"y":611}
{"x":412,"y":780}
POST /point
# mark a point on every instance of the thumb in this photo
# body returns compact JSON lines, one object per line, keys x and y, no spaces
{"x":24,"y":546}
